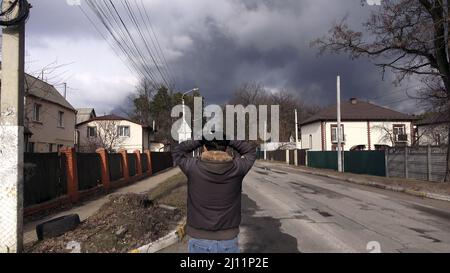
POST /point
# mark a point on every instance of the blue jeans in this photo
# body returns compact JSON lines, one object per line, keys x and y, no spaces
{"x":208,"y":246}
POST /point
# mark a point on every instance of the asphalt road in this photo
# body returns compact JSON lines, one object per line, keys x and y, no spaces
{"x":285,"y":210}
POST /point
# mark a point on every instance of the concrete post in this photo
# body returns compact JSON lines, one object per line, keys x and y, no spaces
{"x":126,"y":174}
{"x":72,"y":174}
{"x":429,"y":163}
{"x":138,"y":162}
{"x":386,"y":162}
{"x":149,"y":160}
{"x":287,"y":157}
{"x":12,"y":136}
{"x":104,"y":165}
{"x":406,"y":162}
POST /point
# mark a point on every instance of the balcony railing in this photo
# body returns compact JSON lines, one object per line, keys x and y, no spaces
{"x":401,"y":138}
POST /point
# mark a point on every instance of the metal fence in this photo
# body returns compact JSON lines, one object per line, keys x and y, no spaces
{"x":422,"y":163}
{"x":44,"y":177}
{"x":132,"y":161}
{"x":89,"y":170}
{"x":115,"y":167}
{"x":144,"y":162}
{"x":161,"y":161}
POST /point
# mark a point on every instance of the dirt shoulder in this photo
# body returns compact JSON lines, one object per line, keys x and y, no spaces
{"x":401,"y":184}
{"x":125,"y":222}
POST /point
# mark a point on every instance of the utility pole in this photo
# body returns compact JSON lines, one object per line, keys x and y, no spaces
{"x":338,"y":131}
{"x":65,"y":90}
{"x":11,"y":126}
{"x":296,"y":138}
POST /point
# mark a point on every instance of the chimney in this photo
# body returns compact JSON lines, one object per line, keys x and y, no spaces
{"x":353,"y":101}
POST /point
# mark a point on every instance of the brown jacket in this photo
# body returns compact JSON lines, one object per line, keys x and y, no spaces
{"x":214,"y":188}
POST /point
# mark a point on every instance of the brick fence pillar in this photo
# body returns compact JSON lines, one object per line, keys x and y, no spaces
{"x":138,"y":162}
{"x":104,"y":165}
{"x":126,"y":174}
{"x":72,"y":173}
{"x":149,"y":161}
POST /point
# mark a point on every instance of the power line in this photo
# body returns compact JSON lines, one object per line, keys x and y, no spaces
{"x":132,"y":39}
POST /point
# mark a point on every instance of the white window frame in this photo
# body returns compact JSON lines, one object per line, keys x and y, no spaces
{"x":334,"y":128}
{"x":122,"y":131}
{"x":60,"y":119}
{"x":89,"y":131}
{"x":37,"y":112}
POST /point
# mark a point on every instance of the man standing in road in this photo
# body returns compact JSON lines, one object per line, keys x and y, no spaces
{"x":214,"y":192}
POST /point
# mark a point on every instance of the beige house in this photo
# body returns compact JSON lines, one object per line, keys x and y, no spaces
{"x":49,"y":119}
{"x":113,"y":133}
{"x":365,"y":126}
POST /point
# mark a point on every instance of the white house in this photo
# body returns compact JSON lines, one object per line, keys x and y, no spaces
{"x":365,"y":126}
{"x":114,"y":133}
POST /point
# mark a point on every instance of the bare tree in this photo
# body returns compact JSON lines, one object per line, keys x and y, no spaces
{"x":107,"y":136}
{"x":253,"y":93}
{"x":409,"y":37}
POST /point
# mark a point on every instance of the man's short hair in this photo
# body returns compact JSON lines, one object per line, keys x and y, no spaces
{"x":216,"y":144}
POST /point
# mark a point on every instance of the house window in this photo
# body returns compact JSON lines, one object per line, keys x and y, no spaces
{"x":60,"y":119}
{"x":124,"y":131}
{"x":400,"y":133}
{"x":91,"y":131}
{"x":37,"y":112}
{"x":334,"y":133}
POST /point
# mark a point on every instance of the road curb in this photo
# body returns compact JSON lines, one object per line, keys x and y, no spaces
{"x":422,"y":194}
{"x":173,"y":237}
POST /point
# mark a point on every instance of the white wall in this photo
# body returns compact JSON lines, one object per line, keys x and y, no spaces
{"x":313,"y":129}
{"x":132,"y":143}
{"x":355,"y":133}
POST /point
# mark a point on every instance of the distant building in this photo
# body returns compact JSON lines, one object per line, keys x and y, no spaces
{"x":365,"y":126}
{"x":49,"y":119}
{"x":433,"y":129}
{"x":113,"y":133}
{"x":84,"y":114}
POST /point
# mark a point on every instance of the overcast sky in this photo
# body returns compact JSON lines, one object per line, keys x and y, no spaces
{"x":215,"y":45}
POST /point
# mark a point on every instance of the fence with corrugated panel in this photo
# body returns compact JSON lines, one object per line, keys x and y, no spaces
{"x":44,"y":177}
{"x":132,"y":161}
{"x":161,"y":161}
{"x":115,"y":167}
{"x":54,"y":179}
{"x":89,"y":172}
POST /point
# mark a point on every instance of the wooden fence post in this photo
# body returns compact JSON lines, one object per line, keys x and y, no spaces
{"x":72,"y":173}
{"x":126,"y":174}
{"x":104,"y":165}
{"x":138,"y":162}
{"x":149,"y":161}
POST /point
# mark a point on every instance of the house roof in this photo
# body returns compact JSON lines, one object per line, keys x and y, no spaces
{"x":45,"y":91}
{"x":434,"y":118}
{"x":354,"y":110}
{"x":84,"y":114}
{"x":114,"y":117}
